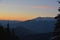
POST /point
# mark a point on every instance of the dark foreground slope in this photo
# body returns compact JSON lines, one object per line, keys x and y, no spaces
{"x":6,"y":34}
{"x":42,"y":36}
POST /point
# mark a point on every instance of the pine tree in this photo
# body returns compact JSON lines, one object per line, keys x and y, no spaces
{"x":11,"y":34}
{"x":7,"y":34}
{"x":56,"y":33}
{"x":1,"y":32}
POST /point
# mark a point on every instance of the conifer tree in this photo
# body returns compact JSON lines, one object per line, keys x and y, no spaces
{"x":1,"y":31}
{"x":7,"y":34}
{"x":56,"y":33}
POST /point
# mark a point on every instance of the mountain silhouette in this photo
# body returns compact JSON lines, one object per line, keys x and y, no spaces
{"x":40,"y":25}
{"x":37,"y":28}
{"x":37,"y":25}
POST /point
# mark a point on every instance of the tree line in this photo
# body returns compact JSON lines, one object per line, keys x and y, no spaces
{"x":7,"y":34}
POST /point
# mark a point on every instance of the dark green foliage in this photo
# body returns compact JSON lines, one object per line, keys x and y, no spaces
{"x":6,"y":34}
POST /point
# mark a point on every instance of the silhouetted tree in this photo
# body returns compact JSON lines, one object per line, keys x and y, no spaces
{"x":56,"y":33}
{"x":1,"y":31}
{"x":7,"y":34}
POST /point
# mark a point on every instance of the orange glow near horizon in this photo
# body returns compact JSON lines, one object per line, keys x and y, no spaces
{"x":22,"y":10}
{"x":15,"y":18}
{"x":12,"y":18}
{"x":20,"y":17}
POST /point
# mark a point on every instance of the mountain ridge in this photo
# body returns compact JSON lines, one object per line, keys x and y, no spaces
{"x":42,"y":25}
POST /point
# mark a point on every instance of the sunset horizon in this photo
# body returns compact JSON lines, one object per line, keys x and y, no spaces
{"x":29,"y":19}
{"x":25,"y":10}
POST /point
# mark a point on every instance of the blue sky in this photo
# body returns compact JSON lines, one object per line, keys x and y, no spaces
{"x":27,"y":9}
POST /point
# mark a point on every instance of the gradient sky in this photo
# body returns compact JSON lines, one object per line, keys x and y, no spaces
{"x":27,"y":9}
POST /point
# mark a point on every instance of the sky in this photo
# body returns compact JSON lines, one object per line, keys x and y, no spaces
{"x":27,"y":9}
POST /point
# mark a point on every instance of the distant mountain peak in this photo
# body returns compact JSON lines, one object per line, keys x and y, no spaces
{"x":43,"y":18}
{"x":40,"y":18}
